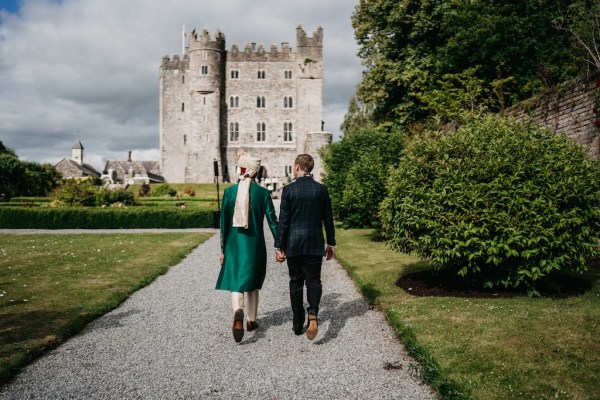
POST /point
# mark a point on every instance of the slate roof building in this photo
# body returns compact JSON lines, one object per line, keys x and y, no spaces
{"x":132,"y":172}
{"x":75,"y":167}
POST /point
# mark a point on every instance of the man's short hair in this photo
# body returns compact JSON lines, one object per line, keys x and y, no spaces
{"x":305,"y":161}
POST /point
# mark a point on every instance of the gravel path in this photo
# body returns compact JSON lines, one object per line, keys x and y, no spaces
{"x":172,"y":340}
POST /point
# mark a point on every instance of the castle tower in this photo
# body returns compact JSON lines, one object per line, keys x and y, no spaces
{"x":266,"y":100}
{"x":77,"y":152}
{"x":190,"y":110}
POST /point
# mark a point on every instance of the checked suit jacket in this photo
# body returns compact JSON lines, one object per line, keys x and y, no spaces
{"x":305,"y":210}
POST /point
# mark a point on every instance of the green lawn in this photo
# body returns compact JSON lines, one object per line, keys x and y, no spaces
{"x":503,"y":348}
{"x":52,"y":285}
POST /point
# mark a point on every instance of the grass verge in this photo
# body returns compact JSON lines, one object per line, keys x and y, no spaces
{"x":499,"y":348}
{"x":51,"y":286}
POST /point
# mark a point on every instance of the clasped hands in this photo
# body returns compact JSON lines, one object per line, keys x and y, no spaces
{"x":280,"y":254}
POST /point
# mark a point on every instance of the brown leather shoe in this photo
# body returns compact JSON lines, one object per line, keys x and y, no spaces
{"x":251,"y":325}
{"x":313,"y":327}
{"x":238,"y":325}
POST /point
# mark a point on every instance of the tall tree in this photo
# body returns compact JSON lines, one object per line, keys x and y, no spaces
{"x":509,"y":48}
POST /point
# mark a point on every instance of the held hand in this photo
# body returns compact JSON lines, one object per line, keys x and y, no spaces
{"x":221,"y":258}
{"x":329,"y":252}
{"x":279,"y":256}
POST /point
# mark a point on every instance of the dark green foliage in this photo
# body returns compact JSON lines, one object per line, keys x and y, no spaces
{"x":108,"y":196}
{"x":163,"y":190}
{"x":22,"y":178}
{"x":475,"y":54}
{"x":102,"y":218}
{"x":356,"y":169}
{"x":144,"y":190}
{"x":496,"y":202}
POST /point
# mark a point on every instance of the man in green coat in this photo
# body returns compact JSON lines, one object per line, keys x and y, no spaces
{"x":243,"y":250}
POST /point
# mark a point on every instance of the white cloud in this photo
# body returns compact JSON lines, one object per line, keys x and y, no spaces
{"x":90,"y":67}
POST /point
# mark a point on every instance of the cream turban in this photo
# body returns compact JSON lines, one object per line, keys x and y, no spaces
{"x":242,"y":200}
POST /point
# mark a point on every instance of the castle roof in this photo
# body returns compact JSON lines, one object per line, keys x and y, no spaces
{"x":70,"y":168}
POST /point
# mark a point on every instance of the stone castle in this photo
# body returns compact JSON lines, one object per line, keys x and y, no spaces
{"x":266,"y":101}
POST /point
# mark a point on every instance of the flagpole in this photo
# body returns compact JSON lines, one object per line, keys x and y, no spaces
{"x":183,"y":41}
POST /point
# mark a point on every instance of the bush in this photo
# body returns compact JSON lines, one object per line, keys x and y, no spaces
{"x":144,"y":190}
{"x":103,"y":218}
{"x":498,"y":203}
{"x":108,"y":197}
{"x":356,"y":169}
{"x":76,"y":192}
{"x":163,"y":190}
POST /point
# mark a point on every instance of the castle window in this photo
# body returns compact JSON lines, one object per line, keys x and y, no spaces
{"x":204,"y":70}
{"x":234,"y":102}
{"x":261,"y":102}
{"x":182,"y":107}
{"x":261,"y":74}
{"x":288,"y":170}
{"x":234,"y":131}
{"x":183,"y":79}
{"x":184,"y":139}
{"x":235,"y":74}
{"x":287,"y":132}
{"x":261,"y":130}
{"x":287,"y":74}
{"x":288,"y":102}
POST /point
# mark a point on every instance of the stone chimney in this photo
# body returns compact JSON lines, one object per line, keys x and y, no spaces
{"x":129,"y":156}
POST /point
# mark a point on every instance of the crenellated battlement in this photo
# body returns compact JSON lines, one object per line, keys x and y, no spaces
{"x":175,"y":63}
{"x":203,"y":40}
{"x":254,"y":52}
{"x":303,"y":40}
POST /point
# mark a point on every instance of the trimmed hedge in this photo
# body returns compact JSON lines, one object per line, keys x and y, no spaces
{"x":103,"y":218}
{"x":30,"y":200}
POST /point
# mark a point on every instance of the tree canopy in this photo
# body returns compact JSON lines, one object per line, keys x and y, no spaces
{"x":430,"y":57}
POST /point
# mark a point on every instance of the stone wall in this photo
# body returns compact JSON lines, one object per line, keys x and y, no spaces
{"x":568,"y":109}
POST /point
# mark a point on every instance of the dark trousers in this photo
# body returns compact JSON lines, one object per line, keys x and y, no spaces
{"x":305,"y":269}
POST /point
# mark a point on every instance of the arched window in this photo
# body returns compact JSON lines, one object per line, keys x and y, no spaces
{"x":235,"y":74}
{"x":204,"y":69}
{"x":287,"y":74}
{"x":261,"y":102}
{"x":234,"y":131}
{"x":234,"y":102}
{"x":182,"y":107}
{"x":183,"y":79}
{"x":261,"y":74}
{"x":261,"y":132}
{"x":288,"y":102}
{"x":287,"y":132}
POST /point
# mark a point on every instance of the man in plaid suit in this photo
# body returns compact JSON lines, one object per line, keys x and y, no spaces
{"x":305,"y":209}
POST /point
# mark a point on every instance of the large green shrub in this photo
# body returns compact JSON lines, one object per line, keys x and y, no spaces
{"x":163,"y":190}
{"x":356,"y":169}
{"x":497,"y":202}
{"x":76,"y":192}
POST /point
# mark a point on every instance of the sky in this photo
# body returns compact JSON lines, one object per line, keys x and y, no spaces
{"x":89,"y":69}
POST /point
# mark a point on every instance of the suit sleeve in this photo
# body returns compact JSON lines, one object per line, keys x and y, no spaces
{"x":271,"y":216}
{"x":225,"y":220}
{"x":328,"y":220}
{"x":284,"y":221}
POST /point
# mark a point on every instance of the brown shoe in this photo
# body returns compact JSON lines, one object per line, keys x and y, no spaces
{"x":313,"y":327}
{"x":251,"y":325}
{"x":238,"y":325}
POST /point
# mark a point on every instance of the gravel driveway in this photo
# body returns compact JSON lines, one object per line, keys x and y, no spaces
{"x":172,"y":340}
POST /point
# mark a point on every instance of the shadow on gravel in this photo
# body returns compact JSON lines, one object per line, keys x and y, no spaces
{"x":331,"y":310}
{"x":338,"y":314}
{"x":110,"y":321}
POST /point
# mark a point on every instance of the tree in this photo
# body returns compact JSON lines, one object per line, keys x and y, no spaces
{"x":356,"y":169}
{"x":582,"y":21}
{"x":509,"y":49}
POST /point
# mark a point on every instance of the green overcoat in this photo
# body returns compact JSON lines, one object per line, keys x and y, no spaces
{"x":245,"y":263}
